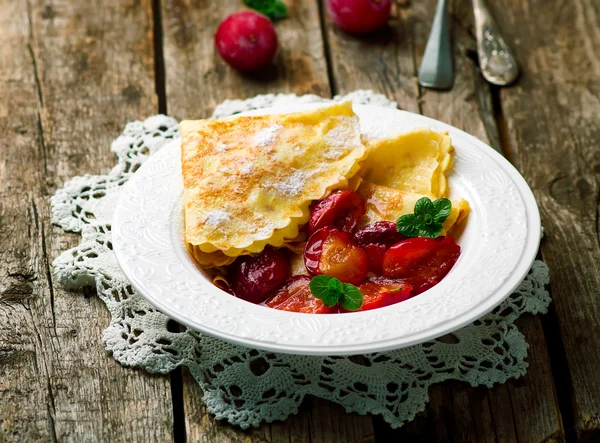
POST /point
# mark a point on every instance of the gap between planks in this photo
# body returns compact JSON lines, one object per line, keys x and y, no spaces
{"x":159,"y":59}
{"x":326,"y":48}
{"x":176,"y":375}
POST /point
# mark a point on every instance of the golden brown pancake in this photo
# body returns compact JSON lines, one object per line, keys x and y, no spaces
{"x":248,"y":181}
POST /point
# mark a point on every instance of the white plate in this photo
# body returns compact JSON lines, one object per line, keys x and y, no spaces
{"x":499,"y":244}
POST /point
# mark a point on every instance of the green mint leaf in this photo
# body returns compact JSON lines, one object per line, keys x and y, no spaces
{"x":427,"y":218}
{"x":407,"y":225}
{"x":430,"y":231}
{"x":274,"y":9}
{"x":352,"y":298}
{"x":331,"y":298}
{"x":278,"y":11}
{"x":262,"y":6}
{"x":327,"y":288}
{"x":319,"y":285}
{"x":335,"y":285}
{"x":423,"y":206}
{"x":442,"y":208}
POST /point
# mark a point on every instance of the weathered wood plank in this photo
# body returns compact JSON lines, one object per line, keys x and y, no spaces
{"x":383,"y":61}
{"x":21,"y":380}
{"x":473,"y":415}
{"x":196,"y":81}
{"x":536,"y":409}
{"x":196,"y":77}
{"x":467,"y":106}
{"x":71,"y":74}
{"x":553,"y":123}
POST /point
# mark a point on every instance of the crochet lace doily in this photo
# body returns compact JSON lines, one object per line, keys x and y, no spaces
{"x":246,"y":386}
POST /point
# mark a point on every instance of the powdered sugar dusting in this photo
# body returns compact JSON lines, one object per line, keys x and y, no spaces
{"x":291,"y":185}
{"x":345,"y":135}
{"x":267,"y":136}
{"x":265,"y":231}
{"x":267,"y":226}
{"x":215,"y":218}
{"x":246,"y":168}
{"x":333,"y":153}
{"x":220,"y":147}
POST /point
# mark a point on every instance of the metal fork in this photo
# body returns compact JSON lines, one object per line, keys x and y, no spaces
{"x":436,"y":69}
{"x":498,"y":64}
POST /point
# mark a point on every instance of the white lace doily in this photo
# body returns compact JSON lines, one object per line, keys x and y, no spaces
{"x":247,"y":386}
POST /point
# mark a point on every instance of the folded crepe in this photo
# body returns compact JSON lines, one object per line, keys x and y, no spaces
{"x":249,"y":181}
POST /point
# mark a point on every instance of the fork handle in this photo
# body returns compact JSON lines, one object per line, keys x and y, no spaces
{"x":497,"y":62}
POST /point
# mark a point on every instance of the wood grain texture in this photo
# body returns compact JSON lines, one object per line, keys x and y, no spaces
{"x":196,"y":81}
{"x":196,"y":77}
{"x":536,"y":410}
{"x":460,"y":413}
{"x":71,"y":74}
{"x":553,"y":123}
{"x":383,"y":61}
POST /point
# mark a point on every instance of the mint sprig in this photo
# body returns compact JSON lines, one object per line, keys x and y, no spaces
{"x":427,"y":218}
{"x":332,"y":291}
{"x":274,"y":9}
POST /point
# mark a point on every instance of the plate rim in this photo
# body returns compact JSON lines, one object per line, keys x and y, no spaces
{"x":524,"y":263}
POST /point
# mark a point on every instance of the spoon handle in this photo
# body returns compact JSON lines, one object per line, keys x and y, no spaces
{"x":436,"y":69}
{"x":497,"y":62}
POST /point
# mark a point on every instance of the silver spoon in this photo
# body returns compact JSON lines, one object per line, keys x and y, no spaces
{"x":436,"y":69}
{"x":498,"y":64}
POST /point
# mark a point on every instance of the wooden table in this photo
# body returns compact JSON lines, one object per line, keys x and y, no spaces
{"x":73,"y":72}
